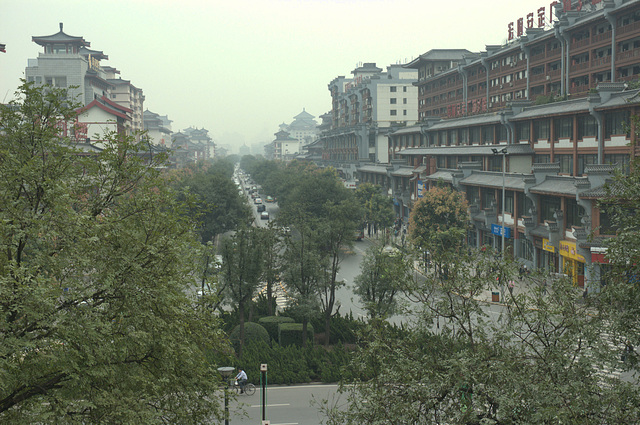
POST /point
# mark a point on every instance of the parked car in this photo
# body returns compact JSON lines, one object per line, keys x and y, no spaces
{"x":261,"y":208}
{"x":264,"y":215}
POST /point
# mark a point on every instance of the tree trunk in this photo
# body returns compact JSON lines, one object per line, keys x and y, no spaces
{"x":241,"y":313}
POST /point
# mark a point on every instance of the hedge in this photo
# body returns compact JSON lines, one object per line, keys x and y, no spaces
{"x":253,"y":332}
{"x":271,"y":323}
{"x":291,"y":333}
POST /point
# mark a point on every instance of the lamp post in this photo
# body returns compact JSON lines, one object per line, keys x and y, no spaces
{"x":502,"y":152}
{"x":226,"y":373}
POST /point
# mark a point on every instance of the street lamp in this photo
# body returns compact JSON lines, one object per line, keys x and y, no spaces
{"x":226,"y":372}
{"x":502,"y":152}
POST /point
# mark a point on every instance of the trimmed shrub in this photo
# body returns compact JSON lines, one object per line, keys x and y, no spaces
{"x":253,"y":333}
{"x":291,"y":333}
{"x":271,"y":324}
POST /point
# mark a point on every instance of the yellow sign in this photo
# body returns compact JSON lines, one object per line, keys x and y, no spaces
{"x":547,"y":246}
{"x":570,"y":250}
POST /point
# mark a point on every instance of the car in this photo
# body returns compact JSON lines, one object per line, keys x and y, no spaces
{"x":264,"y":215}
{"x":257,"y":201}
{"x":269,"y":198}
{"x":261,"y":208}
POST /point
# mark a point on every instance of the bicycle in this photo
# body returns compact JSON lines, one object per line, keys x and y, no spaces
{"x":249,"y":388}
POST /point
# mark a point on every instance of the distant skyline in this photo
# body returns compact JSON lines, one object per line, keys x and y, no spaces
{"x":241,"y":68}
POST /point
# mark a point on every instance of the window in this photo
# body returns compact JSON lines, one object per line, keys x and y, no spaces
{"x":508,"y":201}
{"x":566,"y":163}
{"x":563,"y":128}
{"x":394,"y":112}
{"x":525,"y":247}
{"x":587,"y":126}
{"x":502,"y":133}
{"x":487,"y":135}
{"x":393,"y":100}
{"x":524,"y":204}
{"x":474,"y":135}
{"x":472,"y":195}
{"x":404,"y":101}
{"x":548,"y":206}
{"x":584,"y":160}
{"x":393,"y":89}
{"x":615,"y":123}
{"x":542,"y":159}
{"x":522,"y":131}
{"x":573,"y":216}
{"x":404,"y":112}
{"x":495,"y":163}
{"x":621,"y":160}
{"x":541,"y":130}
{"x":404,"y":89}
{"x":488,"y":197}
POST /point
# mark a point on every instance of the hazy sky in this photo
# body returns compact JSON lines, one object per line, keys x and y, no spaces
{"x":239,"y":68}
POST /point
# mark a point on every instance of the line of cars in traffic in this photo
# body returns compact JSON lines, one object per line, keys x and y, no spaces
{"x":253,"y":191}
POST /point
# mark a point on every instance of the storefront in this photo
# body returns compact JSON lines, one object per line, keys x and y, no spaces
{"x":549,"y":257}
{"x":572,"y":262}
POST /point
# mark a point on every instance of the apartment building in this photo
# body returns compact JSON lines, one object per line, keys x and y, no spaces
{"x":482,"y":132}
{"x":365,"y":108}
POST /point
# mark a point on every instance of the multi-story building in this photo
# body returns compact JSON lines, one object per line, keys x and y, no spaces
{"x":482,"y":132}
{"x":68,"y":62}
{"x":364,"y":110}
{"x":126,"y":94}
{"x":283,"y":147}
{"x":158,"y":128}
{"x":201,"y":137}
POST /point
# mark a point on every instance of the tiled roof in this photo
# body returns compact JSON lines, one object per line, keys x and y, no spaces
{"x":558,"y":185}
{"x":494,"y":179}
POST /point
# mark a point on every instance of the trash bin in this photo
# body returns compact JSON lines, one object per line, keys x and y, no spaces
{"x":495,"y":297}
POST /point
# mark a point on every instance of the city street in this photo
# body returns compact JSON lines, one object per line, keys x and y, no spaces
{"x":286,"y":405}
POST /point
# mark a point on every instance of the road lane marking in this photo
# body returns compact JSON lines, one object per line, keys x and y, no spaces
{"x":271,"y":405}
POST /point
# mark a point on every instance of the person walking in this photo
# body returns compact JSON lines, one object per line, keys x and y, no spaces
{"x":241,"y":379}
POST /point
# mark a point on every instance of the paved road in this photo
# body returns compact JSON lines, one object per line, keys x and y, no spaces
{"x":286,"y":405}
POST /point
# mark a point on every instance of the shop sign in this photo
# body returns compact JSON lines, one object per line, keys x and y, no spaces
{"x":547,"y":246}
{"x":570,"y":250}
{"x":420,"y":188}
{"x":497,"y":230}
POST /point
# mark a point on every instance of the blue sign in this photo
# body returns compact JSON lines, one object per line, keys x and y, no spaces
{"x":497,"y":230}
{"x":420,"y":188}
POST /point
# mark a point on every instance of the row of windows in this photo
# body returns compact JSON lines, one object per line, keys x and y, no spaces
{"x":615,"y":124}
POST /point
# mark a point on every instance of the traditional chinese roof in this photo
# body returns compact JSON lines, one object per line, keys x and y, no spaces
{"x":493,"y":179}
{"x":94,"y":53}
{"x":99,"y":103}
{"x":558,"y":185}
{"x":60,"y":37}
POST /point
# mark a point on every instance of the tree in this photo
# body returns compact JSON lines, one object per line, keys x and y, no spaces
{"x":335,"y":230}
{"x":542,"y":360}
{"x":273,"y":245}
{"x":377,"y":208}
{"x":301,"y":270}
{"x":95,"y":319}
{"x":438,"y":223}
{"x":384,"y":273}
{"x":242,"y":269}
{"x":217,"y":207}
{"x":620,"y":296}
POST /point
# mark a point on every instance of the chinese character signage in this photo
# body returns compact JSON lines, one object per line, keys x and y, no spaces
{"x":497,"y":230}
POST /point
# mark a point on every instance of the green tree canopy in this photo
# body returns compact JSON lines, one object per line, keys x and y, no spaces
{"x":96,"y":323}
{"x":439,"y":220}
